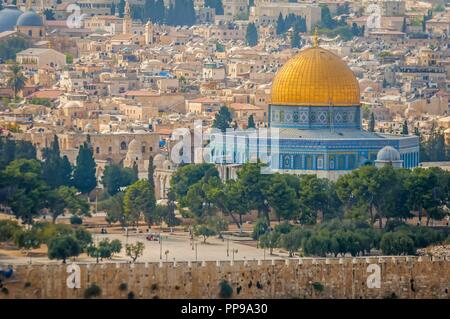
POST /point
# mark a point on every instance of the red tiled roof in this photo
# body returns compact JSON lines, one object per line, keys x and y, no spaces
{"x":46,"y":94}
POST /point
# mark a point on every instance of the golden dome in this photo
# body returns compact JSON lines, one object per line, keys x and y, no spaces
{"x":315,"y":77}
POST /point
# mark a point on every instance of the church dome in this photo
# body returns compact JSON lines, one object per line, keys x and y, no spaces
{"x":8,"y":18}
{"x":30,"y":19}
{"x":315,"y":77}
{"x":388,"y":154}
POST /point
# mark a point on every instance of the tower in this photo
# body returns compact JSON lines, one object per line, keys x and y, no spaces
{"x":127,"y":21}
{"x":148,"y":33}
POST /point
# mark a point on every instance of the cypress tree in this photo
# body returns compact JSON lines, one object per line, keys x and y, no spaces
{"x":251,"y":35}
{"x":295,"y":37}
{"x":405,"y":130}
{"x":160,"y":11}
{"x":216,"y":4}
{"x":149,"y":10}
{"x":372,"y":123}
{"x":404,"y":26}
{"x":280,"y":25}
{"x":251,"y":122}
{"x":222,"y":119}
{"x":136,"y":170}
{"x":151,"y":171}
{"x":56,"y":171}
{"x":121,"y":8}
{"x":170,"y":15}
{"x":189,"y":12}
{"x":84,"y":178}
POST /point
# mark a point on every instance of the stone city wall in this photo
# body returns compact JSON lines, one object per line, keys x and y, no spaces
{"x":373,"y":277}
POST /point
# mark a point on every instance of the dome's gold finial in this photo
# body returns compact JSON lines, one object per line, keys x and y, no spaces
{"x":316,"y":38}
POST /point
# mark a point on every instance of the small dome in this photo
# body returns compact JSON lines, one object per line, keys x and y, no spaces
{"x":134,"y":147}
{"x":8,"y":18}
{"x":388,"y":154}
{"x":71,"y":104}
{"x":158,"y":160}
{"x":30,"y":19}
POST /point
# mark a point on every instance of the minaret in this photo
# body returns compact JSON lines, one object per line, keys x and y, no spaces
{"x":316,"y":38}
{"x":41,"y":12}
{"x":29,"y":5}
{"x":127,"y":21}
{"x":148,"y":33}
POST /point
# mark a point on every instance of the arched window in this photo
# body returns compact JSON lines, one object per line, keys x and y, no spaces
{"x":123,"y":146}
{"x":30,"y":33}
{"x":97,"y":150}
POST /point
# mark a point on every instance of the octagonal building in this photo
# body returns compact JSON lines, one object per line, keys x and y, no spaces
{"x":314,"y":124}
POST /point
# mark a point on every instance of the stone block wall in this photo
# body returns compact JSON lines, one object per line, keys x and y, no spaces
{"x":406,"y":277}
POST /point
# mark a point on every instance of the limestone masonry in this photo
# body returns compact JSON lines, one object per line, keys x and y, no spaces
{"x":401,"y":277}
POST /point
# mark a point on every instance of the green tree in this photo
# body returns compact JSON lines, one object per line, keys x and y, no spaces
{"x":254,"y":186}
{"x":63,"y":248}
{"x":24,"y":189}
{"x":397,"y":243}
{"x":295,"y":39}
{"x":115,"y":177}
{"x":205,"y":231}
{"x":139,"y":200}
{"x":160,"y":11}
{"x":188,"y":175}
{"x":134,"y":251}
{"x":9,"y":47}
{"x":404,"y":26}
{"x":327,"y":21}
{"x":149,"y":10}
{"x":230,"y":200}
{"x":292,"y":241}
{"x":114,"y":209}
{"x":56,"y":171}
{"x":121,"y":8}
{"x":222,"y":119}
{"x":269,"y":240}
{"x":83,"y":237}
{"x":66,"y":198}
{"x":216,"y":4}
{"x":49,"y":14}
{"x":251,"y":36}
{"x":282,"y":198}
{"x":281,"y":29}
{"x":372,"y":123}
{"x":27,"y":239}
{"x":84,"y":178}
{"x":16,"y":80}
{"x":105,"y":249}
{"x":8,"y":229}
{"x":405,"y":130}
{"x":260,"y":228}
{"x":251,"y":122}
{"x":317,"y":198}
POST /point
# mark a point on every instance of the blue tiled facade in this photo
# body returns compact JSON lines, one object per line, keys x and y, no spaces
{"x":312,"y":139}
